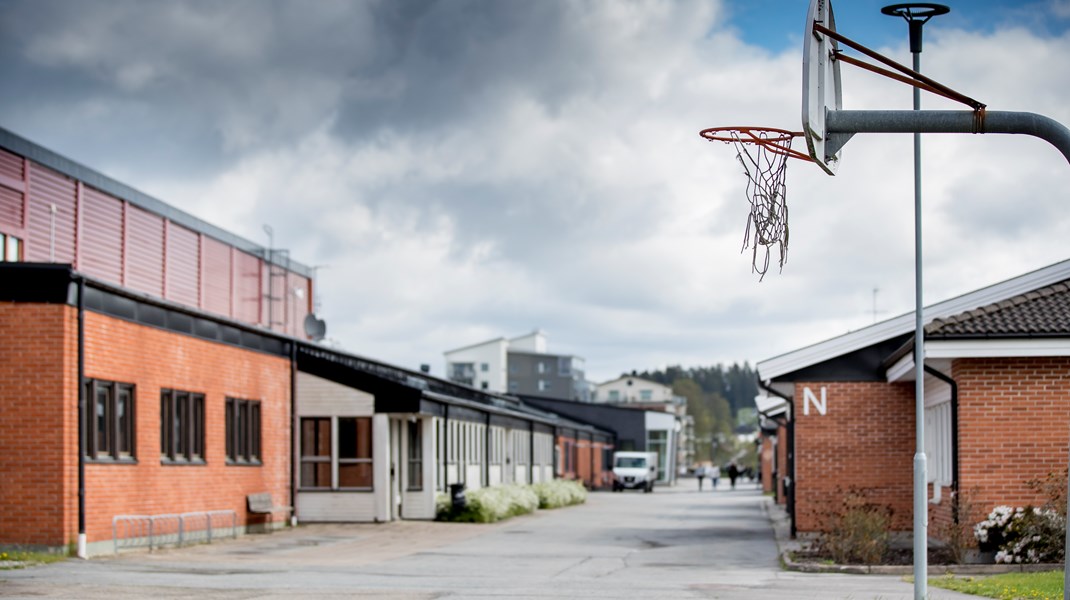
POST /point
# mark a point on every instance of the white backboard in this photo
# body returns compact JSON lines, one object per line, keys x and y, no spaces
{"x":821,"y":84}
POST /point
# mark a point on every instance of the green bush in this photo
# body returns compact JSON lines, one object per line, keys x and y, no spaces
{"x":560,"y":492}
{"x":488,"y":505}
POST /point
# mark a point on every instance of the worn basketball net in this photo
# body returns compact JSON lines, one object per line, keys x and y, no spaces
{"x":764,"y":153}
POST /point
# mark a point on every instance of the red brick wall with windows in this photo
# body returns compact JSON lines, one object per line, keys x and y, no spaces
{"x":40,"y":430}
{"x":38,"y":417}
{"x":863,"y":442}
{"x":1013,"y":427}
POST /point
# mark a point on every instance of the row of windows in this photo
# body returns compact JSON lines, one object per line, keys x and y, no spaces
{"x":111,"y":430}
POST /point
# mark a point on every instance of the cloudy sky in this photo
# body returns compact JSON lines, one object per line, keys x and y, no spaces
{"x":463,"y":170}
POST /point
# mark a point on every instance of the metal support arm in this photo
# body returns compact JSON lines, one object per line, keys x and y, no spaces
{"x":949,"y":121}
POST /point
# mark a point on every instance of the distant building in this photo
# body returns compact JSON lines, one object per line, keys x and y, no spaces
{"x":636,"y":392}
{"x":519,"y":365}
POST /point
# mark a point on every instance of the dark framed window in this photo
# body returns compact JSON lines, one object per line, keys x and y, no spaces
{"x":416,"y":456}
{"x":110,"y":426}
{"x":243,"y":431}
{"x":316,"y":453}
{"x":181,"y":427}
{"x":355,"y":452}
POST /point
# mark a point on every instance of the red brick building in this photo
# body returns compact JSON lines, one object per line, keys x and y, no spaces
{"x":154,"y":367}
{"x":997,"y":404}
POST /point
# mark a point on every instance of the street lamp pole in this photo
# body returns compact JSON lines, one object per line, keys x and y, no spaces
{"x":916,"y":15}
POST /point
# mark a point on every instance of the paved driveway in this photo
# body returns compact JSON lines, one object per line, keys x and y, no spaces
{"x":674,"y":543}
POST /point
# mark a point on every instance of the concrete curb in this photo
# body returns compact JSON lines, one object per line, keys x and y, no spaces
{"x":787,"y":546}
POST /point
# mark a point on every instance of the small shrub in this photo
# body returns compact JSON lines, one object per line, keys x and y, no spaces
{"x":856,"y":532}
{"x":958,"y":534}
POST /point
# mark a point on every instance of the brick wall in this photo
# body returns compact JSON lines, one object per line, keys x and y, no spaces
{"x":864,"y":442}
{"x":781,"y":463}
{"x":38,"y":417}
{"x":40,"y":364}
{"x":1014,"y":426}
{"x":767,"y":457}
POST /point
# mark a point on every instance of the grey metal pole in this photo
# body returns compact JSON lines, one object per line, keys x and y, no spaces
{"x":916,"y":15}
{"x":950,"y":121}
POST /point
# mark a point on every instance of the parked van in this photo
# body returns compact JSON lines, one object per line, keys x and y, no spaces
{"x":635,"y":471}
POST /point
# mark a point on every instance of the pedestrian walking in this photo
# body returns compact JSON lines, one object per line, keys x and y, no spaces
{"x":700,"y":474}
{"x":733,"y":474}
{"x":715,"y":474}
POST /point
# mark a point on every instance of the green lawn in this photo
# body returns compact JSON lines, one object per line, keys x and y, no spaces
{"x":1008,"y":586}
{"x":19,"y":559}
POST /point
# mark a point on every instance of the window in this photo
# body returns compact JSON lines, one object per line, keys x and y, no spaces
{"x":109,"y":421}
{"x":484,"y":367}
{"x":243,"y":431}
{"x":658,"y":441}
{"x":514,"y":386}
{"x":316,"y":453}
{"x":614,"y":395}
{"x":564,"y":365}
{"x":544,"y":385}
{"x":646,"y":395}
{"x":10,"y":248}
{"x":484,"y":385}
{"x":355,"y":452}
{"x":542,"y":367}
{"x":416,"y":457}
{"x":938,"y":443}
{"x":181,"y":427}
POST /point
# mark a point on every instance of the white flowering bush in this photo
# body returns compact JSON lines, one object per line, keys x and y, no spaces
{"x":1022,"y":535}
{"x":991,"y":533}
{"x":487,"y":505}
{"x":560,"y":492}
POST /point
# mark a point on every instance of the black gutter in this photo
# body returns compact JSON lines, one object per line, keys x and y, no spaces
{"x":531,"y":452}
{"x":790,"y":426}
{"x":486,"y":452}
{"x":81,"y":410}
{"x":446,"y":450}
{"x":954,"y":423}
{"x":295,"y":425}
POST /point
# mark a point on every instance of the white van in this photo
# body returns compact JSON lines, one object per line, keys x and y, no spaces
{"x":635,"y":470}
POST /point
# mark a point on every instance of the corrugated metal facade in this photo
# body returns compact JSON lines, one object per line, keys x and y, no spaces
{"x":118,"y":241}
{"x":47,"y":241}
{"x":100,"y":248}
{"x":10,"y":210}
{"x":183,"y":265}
{"x":216,"y":277}
{"x":247,"y":287}
{"x":144,"y":251}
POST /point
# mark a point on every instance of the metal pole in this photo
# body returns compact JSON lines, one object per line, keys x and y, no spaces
{"x":950,"y":121}
{"x":921,"y":506}
{"x":916,"y":16}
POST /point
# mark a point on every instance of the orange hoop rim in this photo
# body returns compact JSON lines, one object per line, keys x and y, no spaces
{"x":775,"y":140}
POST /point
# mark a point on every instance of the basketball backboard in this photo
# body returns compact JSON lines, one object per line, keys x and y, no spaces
{"x":821,"y":85}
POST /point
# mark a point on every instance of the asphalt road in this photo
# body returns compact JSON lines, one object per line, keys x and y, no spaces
{"x":674,"y":543}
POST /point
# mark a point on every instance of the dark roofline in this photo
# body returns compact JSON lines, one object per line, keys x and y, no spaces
{"x":41,"y":155}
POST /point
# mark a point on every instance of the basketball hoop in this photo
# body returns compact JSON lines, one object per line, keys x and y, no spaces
{"x":763,"y":152}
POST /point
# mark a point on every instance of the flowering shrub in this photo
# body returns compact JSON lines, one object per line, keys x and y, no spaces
{"x":487,"y":505}
{"x":1022,"y":535}
{"x":560,"y":492}
{"x":991,"y":533}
